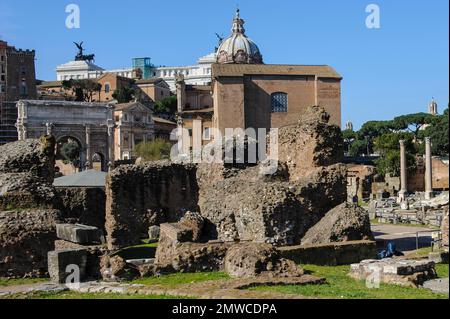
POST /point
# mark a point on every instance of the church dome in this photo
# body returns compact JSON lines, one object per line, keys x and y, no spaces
{"x":238,"y":48}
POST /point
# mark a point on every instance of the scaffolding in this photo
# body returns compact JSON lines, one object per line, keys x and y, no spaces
{"x":8,"y":118}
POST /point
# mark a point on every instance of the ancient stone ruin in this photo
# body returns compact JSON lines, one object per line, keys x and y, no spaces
{"x":208,"y":216}
{"x":30,"y":207}
{"x":412,"y":273}
{"x":237,"y":203}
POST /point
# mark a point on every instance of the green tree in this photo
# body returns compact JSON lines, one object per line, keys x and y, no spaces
{"x":70,"y":152}
{"x":438,"y":131}
{"x":124,"y":94}
{"x":388,"y":145}
{"x":358,"y":147}
{"x":412,"y":122}
{"x":167,"y":105}
{"x":153,"y":151}
{"x":84,"y":89}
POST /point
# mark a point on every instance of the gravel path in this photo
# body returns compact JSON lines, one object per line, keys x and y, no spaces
{"x":439,"y":286}
{"x":217,"y":289}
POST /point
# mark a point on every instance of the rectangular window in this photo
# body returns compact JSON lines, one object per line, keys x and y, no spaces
{"x":2,"y":88}
{"x":23,"y":89}
{"x":207,"y":134}
{"x":3,"y":68}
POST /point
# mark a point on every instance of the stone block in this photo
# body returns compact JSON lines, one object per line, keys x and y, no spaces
{"x":177,"y":232}
{"x":153,"y":233}
{"x":58,"y":262}
{"x":439,"y":257}
{"x":394,"y":271}
{"x":331,"y":254}
{"x":79,"y":234}
{"x":94,"y":255}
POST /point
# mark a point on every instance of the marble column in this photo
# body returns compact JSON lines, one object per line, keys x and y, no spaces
{"x":428,"y":170}
{"x":49,"y":128}
{"x":88,"y":147}
{"x":403,"y":173}
{"x":110,"y":147}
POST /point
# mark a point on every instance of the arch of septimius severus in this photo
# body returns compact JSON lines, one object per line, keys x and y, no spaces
{"x":91,"y":125}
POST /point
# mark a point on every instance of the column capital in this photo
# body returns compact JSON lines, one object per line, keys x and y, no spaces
{"x":428,"y":140}
{"x":402,"y":142}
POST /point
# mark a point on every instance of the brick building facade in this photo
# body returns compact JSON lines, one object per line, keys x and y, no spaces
{"x":17,"y":81}
{"x":246,"y":93}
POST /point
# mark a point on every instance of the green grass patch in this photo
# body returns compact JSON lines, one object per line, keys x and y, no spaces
{"x":423,"y":252}
{"x":174,"y":280}
{"x":376,"y":222}
{"x":442,"y":270}
{"x":6,"y":282}
{"x":150,"y":244}
{"x":76,"y":295}
{"x":340,"y":286}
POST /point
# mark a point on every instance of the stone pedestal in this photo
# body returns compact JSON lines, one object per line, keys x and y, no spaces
{"x":153,"y":233}
{"x":65,"y":263}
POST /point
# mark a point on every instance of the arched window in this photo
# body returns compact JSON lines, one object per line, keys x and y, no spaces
{"x":107,"y":88}
{"x":279,"y":102}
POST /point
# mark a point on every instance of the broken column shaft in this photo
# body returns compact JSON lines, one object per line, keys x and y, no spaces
{"x":403,"y":173}
{"x":428,"y":170}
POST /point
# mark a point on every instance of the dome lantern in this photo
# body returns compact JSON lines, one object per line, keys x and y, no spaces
{"x":238,"y":48}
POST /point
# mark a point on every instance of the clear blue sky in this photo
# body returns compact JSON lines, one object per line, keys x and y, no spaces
{"x":388,"y":71}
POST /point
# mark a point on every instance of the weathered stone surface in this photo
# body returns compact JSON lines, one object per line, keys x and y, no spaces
{"x":80,"y":234}
{"x":116,"y":269}
{"x":190,"y":257}
{"x":26,"y":174}
{"x":438,"y":257}
{"x":195,"y":222}
{"x":312,"y":143}
{"x":176,"y":232}
{"x":60,"y":265}
{"x":332,"y":254}
{"x":247,"y":260}
{"x":30,"y":156}
{"x":237,"y":202}
{"x":239,"y":208}
{"x":445,"y":230}
{"x":145,"y":195}
{"x":346,"y":222}
{"x":146,"y":267}
{"x":84,"y":206}
{"x":153,"y":233}
{"x":173,"y":255}
{"x":25,"y":239}
{"x":94,"y":255}
{"x":402,"y":272}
